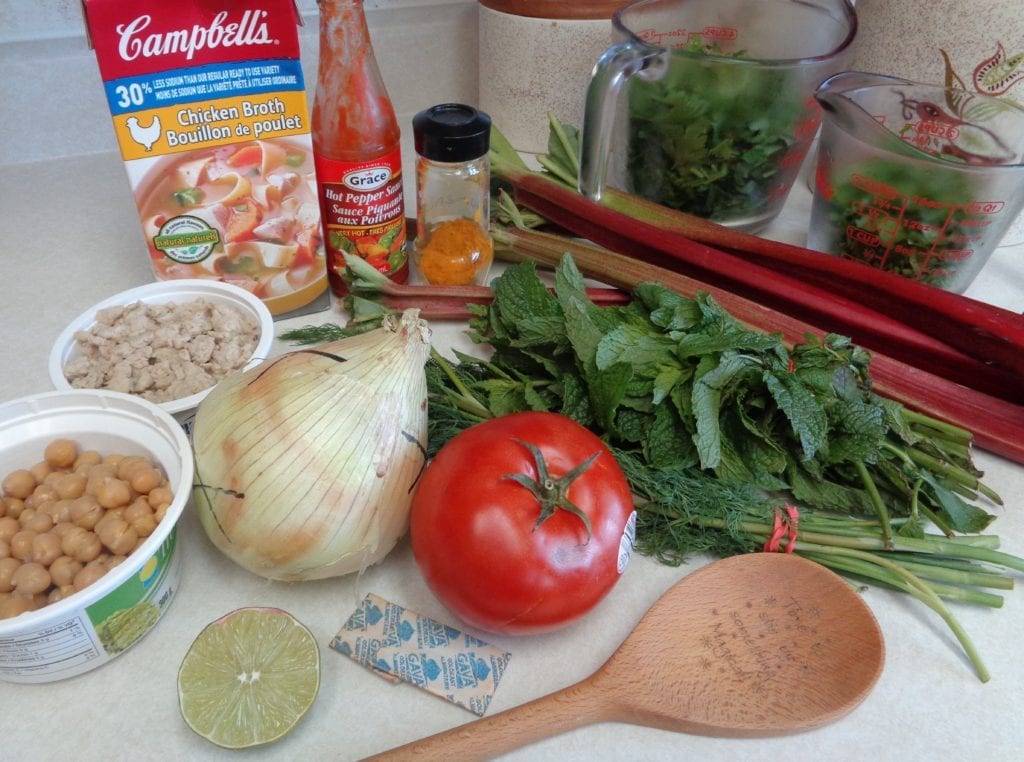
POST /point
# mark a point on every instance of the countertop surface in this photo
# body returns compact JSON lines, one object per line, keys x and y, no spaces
{"x":70,"y":237}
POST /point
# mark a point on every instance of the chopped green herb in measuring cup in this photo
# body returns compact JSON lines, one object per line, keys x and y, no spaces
{"x":907,"y":222}
{"x":708,"y":139}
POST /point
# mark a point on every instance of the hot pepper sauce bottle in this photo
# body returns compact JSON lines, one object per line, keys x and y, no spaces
{"x":356,"y":145}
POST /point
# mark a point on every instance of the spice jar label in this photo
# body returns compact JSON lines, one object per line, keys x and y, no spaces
{"x":401,"y":645}
{"x":363,"y":209}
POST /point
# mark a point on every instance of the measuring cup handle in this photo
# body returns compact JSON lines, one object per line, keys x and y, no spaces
{"x":613,"y":68}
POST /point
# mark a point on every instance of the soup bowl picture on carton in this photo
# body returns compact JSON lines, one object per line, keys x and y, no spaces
{"x":168,"y":342}
{"x":97,"y":572}
{"x":246,"y":214}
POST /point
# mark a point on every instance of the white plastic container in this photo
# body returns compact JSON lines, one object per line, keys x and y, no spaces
{"x":64,"y":639}
{"x":181,"y":291}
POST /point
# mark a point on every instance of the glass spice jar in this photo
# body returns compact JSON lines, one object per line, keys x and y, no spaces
{"x":453,"y":246}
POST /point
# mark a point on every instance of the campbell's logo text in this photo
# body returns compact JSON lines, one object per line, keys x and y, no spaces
{"x":135,"y":42}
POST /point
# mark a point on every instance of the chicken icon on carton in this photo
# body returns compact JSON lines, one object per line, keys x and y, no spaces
{"x":144,"y":136}
{"x":209,"y":108}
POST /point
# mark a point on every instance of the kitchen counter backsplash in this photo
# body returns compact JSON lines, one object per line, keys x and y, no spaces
{"x":53,"y":101}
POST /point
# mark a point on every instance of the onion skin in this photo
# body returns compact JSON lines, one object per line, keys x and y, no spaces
{"x":305,"y":464}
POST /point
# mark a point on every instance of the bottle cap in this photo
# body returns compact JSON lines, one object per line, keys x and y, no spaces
{"x":451,"y":132}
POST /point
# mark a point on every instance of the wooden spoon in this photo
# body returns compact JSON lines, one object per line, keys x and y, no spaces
{"x":761,"y":644}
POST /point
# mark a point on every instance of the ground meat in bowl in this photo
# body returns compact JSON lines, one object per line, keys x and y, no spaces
{"x":162,"y":352}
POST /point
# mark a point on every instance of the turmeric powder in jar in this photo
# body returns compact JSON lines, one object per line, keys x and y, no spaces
{"x":453,"y":246}
{"x":456,"y":253}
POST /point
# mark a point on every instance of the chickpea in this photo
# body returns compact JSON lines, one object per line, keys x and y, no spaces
{"x":46,"y":548}
{"x":40,"y":496}
{"x":19,"y":484}
{"x":160,"y":496}
{"x":70,"y":485}
{"x":146,"y":480}
{"x":144,"y":527}
{"x":38,"y":521}
{"x":7,"y":568}
{"x":128,"y":466}
{"x":89,"y":574}
{"x":15,"y":505}
{"x":113,"y":493}
{"x":140,"y":507}
{"x":21,"y":544}
{"x":40,"y":471}
{"x":114,"y":514}
{"x":15,"y":605}
{"x":86,"y":511}
{"x":3,"y":506}
{"x":30,"y":578}
{"x":86,"y":460}
{"x":115,"y":561}
{"x":118,"y":536}
{"x":81,"y":544}
{"x":61,"y":453}
{"x":5,"y":549}
{"x":97,"y":474}
{"x":63,"y":570}
{"x":141,"y":517}
{"x":60,"y":593}
{"x":61,"y":528}
{"x":59,"y":511}
{"x":9,"y":526}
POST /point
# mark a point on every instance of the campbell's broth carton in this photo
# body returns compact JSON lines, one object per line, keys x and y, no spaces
{"x":209,"y":108}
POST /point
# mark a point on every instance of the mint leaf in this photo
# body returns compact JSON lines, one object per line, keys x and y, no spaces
{"x":802,"y":409}
{"x":710,"y":383}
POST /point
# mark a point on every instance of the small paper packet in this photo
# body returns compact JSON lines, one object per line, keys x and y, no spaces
{"x":401,"y":645}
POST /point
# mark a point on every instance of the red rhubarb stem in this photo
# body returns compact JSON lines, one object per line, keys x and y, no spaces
{"x":435,"y":306}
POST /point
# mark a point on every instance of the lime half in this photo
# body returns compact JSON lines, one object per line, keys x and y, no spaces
{"x":249,"y":677}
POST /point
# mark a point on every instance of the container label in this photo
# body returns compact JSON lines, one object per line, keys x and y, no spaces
{"x":363,"y":208}
{"x":128,"y":612}
{"x":67,"y":646}
{"x":105,"y":629}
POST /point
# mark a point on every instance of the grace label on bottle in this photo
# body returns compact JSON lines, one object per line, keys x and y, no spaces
{"x":363,"y":210}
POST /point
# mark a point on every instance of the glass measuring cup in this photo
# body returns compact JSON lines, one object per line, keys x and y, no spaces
{"x":922,"y":180}
{"x":707,"y":106}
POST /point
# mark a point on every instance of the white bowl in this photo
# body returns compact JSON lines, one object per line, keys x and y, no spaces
{"x":66,"y":348}
{"x":61,"y":640}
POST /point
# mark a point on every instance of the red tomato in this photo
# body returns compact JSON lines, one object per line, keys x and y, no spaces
{"x":476,"y":536}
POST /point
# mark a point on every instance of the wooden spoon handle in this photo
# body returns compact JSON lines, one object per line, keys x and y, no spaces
{"x":488,"y":737}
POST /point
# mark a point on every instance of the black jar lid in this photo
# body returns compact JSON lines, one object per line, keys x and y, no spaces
{"x":451,"y":132}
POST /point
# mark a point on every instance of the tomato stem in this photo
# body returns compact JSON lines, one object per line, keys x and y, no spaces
{"x":552,"y":492}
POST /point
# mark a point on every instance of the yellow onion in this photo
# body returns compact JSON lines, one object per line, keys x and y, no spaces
{"x":305,"y":465}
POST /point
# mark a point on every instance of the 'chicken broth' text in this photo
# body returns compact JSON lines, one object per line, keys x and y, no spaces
{"x":209,"y":108}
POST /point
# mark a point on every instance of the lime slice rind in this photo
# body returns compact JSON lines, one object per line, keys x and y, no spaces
{"x":249,"y":678}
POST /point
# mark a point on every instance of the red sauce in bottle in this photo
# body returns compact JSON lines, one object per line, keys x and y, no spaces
{"x":356,"y":142}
